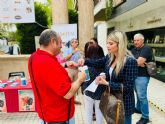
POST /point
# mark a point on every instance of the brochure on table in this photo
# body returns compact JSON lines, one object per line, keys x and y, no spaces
{"x":2,"y":102}
{"x":26,"y":100}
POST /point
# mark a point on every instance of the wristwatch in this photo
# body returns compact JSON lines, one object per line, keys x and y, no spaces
{"x":65,"y":65}
{"x":72,"y":54}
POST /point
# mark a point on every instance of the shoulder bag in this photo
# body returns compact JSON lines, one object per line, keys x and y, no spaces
{"x":112,"y":107}
{"x":151,"y":67}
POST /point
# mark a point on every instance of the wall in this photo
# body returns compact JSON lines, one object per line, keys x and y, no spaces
{"x":13,"y":63}
{"x":152,"y":19}
{"x":102,"y":36}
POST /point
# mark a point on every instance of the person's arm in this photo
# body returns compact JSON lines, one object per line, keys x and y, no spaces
{"x":69,"y":64}
{"x":141,"y":61}
{"x":144,"y":56}
{"x":97,"y":63}
{"x":71,"y":54}
{"x":75,"y":85}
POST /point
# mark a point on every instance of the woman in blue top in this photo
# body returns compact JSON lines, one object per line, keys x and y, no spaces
{"x":121,"y":70}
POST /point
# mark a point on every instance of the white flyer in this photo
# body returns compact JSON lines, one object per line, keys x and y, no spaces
{"x":92,"y":87}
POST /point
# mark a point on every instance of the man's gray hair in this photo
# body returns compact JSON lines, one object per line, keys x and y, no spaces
{"x":139,"y":35}
{"x":73,"y":39}
{"x":46,"y":36}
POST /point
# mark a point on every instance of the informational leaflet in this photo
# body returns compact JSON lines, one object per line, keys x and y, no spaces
{"x":26,"y":100}
{"x":17,"y":11}
{"x":66,"y":31}
{"x":92,"y":87}
{"x":2,"y":102}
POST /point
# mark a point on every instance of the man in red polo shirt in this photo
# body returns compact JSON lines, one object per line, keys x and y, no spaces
{"x":53,"y":89}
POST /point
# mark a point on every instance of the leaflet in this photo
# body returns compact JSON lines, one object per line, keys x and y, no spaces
{"x":92,"y":87}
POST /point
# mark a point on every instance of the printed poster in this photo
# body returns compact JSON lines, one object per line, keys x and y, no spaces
{"x":66,"y":31}
{"x":2,"y":102}
{"x":17,"y":11}
{"x":26,"y":100}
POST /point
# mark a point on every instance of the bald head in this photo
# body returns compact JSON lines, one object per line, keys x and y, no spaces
{"x":46,"y":36}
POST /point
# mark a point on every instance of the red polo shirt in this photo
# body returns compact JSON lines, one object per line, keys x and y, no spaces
{"x":53,"y":83}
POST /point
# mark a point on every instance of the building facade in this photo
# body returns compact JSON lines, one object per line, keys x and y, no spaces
{"x":133,"y":16}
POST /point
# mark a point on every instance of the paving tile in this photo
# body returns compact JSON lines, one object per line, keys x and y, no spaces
{"x":156,"y":93}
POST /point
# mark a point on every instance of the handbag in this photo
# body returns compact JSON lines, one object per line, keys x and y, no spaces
{"x":151,"y":68}
{"x":112,"y":107}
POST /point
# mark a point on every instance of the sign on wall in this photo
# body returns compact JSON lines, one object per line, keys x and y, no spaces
{"x":17,"y":11}
{"x":66,"y":31}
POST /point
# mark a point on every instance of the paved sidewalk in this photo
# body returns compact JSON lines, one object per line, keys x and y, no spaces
{"x":156,"y":93}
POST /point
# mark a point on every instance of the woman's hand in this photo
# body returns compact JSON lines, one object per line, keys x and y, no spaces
{"x":72,"y":64}
{"x":101,"y":80}
{"x":81,"y":62}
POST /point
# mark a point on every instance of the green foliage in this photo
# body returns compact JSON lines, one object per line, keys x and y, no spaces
{"x":71,"y":4}
{"x":109,"y":9}
{"x":73,"y":16}
{"x":11,"y":36}
{"x":4,"y":29}
{"x":26,"y":32}
{"x":48,"y":10}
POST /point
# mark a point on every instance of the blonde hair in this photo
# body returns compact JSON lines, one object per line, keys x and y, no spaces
{"x":120,"y":38}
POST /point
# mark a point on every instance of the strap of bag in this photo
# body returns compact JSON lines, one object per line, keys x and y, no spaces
{"x":69,"y":110}
{"x":153,"y":58}
{"x":31,"y":58}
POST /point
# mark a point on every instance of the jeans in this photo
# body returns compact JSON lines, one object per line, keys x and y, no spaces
{"x":89,"y":102}
{"x":71,"y":121}
{"x":141,"y":84}
{"x":128,"y":119}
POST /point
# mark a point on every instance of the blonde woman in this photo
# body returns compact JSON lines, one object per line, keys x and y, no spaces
{"x":120,"y":68}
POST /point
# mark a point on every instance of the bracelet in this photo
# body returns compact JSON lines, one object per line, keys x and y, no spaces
{"x":65,"y":65}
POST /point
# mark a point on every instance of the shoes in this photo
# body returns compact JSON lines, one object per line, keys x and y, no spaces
{"x":94,"y":117}
{"x":77,"y":102}
{"x":143,"y":121}
{"x":137,"y":111}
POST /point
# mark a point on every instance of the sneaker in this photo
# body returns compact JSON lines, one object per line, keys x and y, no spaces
{"x":94,"y":117}
{"x":143,"y":121}
{"x":137,"y":111}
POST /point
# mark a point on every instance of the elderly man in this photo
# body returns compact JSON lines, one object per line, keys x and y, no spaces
{"x":53,"y":89}
{"x":143,"y":54}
